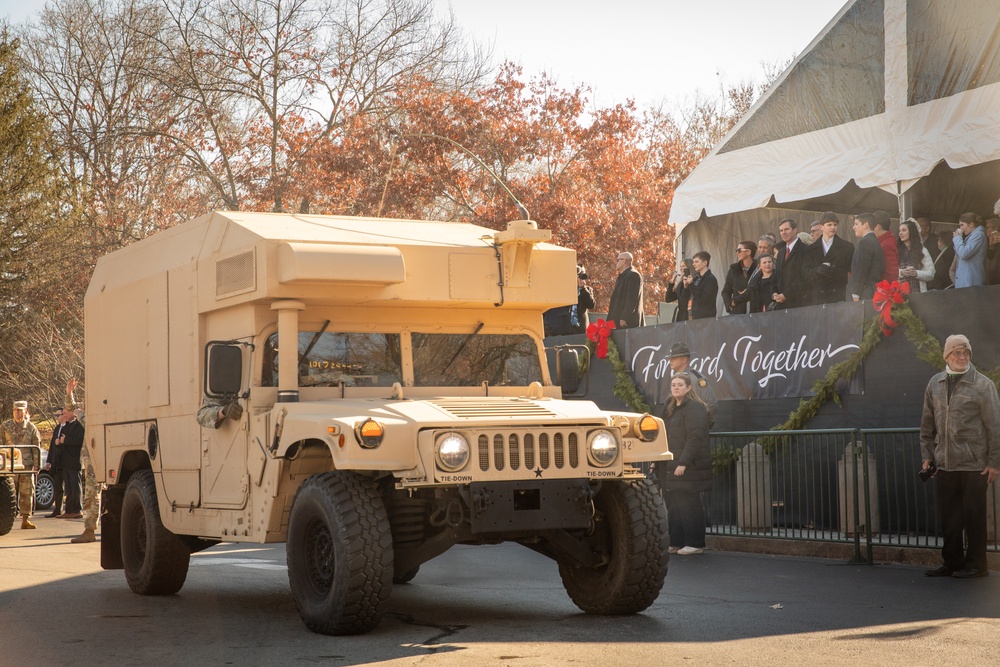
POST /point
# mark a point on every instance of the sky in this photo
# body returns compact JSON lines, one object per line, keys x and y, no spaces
{"x":651,"y":51}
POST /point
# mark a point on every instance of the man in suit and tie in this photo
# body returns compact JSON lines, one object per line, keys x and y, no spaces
{"x":54,"y":465}
{"x":868,"y":263}
{"x":625,"y":306}
{"x":793,"y":290}
{"x":828,"y":263}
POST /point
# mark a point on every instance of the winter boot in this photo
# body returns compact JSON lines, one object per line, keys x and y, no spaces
{"x":87,"y":536}
{"x":25,"y":523}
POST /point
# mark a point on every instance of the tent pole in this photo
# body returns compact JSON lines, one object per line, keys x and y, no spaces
{"x":905,"y":204}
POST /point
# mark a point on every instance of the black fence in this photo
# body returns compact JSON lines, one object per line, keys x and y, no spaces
{"x":840,"y":485}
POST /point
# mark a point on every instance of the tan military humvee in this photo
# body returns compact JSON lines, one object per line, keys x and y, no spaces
{"x":396,"y":403}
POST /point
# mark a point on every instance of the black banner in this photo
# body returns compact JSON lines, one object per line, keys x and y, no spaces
{"x":771,"y":355}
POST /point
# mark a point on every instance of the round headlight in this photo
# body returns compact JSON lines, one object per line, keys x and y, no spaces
{"x":648,"y":428}
{"x":369,"y":434}
{"x":452,"y":452}
{"x":603,"y":448}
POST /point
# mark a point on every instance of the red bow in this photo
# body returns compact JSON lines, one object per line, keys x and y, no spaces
{"x":599,"y":332}
{"x":887,"y":294}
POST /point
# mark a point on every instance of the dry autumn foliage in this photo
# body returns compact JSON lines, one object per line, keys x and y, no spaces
{"x":159,"y":111}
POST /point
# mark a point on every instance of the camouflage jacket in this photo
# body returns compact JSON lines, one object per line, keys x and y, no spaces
{"x":22,"y":435}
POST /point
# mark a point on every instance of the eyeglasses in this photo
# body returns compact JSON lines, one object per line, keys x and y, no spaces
{"x":961,"y":353}
{"x":740,"y":249}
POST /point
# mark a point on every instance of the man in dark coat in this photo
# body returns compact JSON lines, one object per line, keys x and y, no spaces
{"x":868,"y":263}
{"x":793,"y":290}
{"x":71,"y":438}
{"x":54,"y":464}
{"x":680,"y":362}
{"x":625,"y":306}
{"x":703,"y":288}
{"x":828,"y":263}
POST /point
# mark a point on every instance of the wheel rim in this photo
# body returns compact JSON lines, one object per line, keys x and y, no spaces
{"x":44,"y":491}
{"x":319,"y":555}
{"x":138,"y":541}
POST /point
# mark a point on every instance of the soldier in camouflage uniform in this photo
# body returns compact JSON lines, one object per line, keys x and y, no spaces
{"x":92,"y":490}
{"x":214,"y":411}
{"x":20,"y":432}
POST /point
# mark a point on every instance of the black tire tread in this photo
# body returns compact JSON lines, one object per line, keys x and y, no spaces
{"x":165,"y":566}
{"x":8,"y":504}
{"x":634,"y":578}
{"x":363,"y":573}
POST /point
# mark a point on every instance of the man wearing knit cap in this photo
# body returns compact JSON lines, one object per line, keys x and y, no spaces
{"x":960,"y":437}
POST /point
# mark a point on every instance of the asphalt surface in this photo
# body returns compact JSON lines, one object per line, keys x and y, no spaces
{"x":495,"y":605}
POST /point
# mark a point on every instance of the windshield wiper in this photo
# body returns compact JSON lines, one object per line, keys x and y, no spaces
{"x":312,"y":343}
{"x":461,"y":348}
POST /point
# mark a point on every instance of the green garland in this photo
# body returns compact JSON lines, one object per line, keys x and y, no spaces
{"x":928,"y":350}
{"x":625,"y":387}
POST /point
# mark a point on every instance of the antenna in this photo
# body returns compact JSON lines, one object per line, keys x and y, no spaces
{"x":522,"y":211}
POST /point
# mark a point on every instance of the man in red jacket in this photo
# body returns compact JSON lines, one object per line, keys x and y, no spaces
{"x":883,"y":231}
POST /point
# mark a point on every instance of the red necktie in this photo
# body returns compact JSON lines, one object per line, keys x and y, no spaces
{"x":788,"y":251}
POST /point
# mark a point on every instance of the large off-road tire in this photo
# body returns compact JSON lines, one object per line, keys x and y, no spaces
{"x":8,"y":504}
{"x":339,"y":553}
{"x":155,"y":560}
{"x":631,"y":539}
{"x":45,"y":491}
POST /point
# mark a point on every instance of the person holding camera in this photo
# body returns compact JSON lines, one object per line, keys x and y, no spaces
{"x":960,"y":448}
{"x":738,"y":277}
{"x":678,"y":291}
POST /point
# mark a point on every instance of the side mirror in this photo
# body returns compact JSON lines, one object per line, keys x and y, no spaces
{"x":568,"y":370}
{"x":223,"y":370}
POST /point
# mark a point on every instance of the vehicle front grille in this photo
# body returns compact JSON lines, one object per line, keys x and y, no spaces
{"x":529,"y":451}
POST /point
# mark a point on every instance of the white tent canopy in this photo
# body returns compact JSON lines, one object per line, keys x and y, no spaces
{"x":895,"y":105}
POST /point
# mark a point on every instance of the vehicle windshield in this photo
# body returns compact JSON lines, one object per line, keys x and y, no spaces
{"x":329,"y":359}
{"x":466,"y":360}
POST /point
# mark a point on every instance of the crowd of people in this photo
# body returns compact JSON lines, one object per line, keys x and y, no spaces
{"x":803,"y":269}
{"x":820,"y":267}
{"x":68,"y":463}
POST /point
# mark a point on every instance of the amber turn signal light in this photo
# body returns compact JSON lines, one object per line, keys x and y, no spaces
{"x":648,"y":428}
{"x":369,"y":433}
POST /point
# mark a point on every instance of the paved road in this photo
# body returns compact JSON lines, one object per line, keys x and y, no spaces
{"x":498,"y":605}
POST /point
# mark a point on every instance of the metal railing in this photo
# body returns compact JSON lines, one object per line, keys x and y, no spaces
{"x":857,"y":486}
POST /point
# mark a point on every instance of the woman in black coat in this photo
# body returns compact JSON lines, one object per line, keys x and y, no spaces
{"x":690,"y":473}
{"x":676,"y":291}
{"x":762,"y":287}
